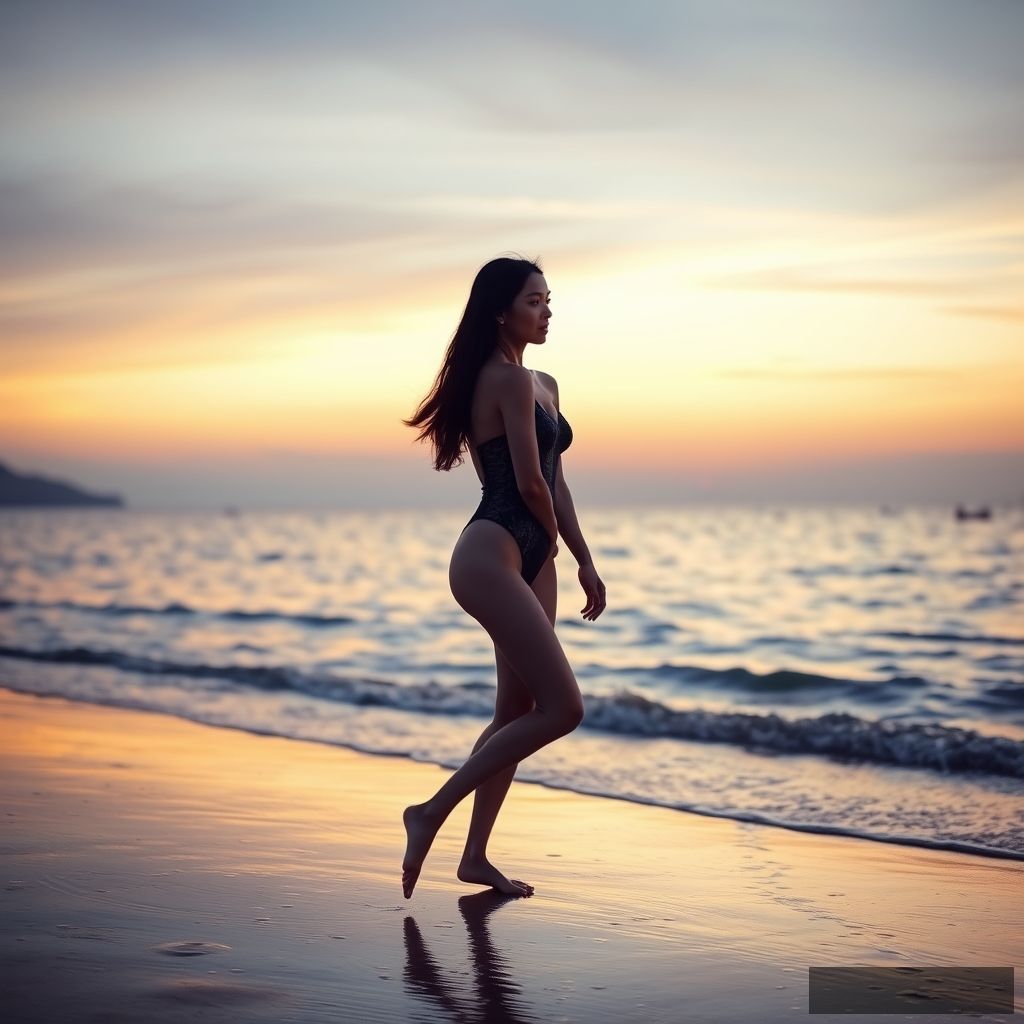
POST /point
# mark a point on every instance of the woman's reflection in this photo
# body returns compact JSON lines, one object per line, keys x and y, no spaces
{"x":498,"y":998}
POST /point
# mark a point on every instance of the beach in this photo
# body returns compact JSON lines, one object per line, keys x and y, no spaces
{"x":723,"y":298}
{"x":159,"y":869}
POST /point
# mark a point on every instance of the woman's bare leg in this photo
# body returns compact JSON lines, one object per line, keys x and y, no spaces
{"x":512,"y":700}
{"x":501,"y":601}
{"x":487,"y":801}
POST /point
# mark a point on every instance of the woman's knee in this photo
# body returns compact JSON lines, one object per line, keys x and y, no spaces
{"x":560,"y":718}
{"x":566,"y":715}
{"x":575,"y":713}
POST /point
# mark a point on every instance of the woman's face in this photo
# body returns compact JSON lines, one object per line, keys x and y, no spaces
{"x":526,"y":320}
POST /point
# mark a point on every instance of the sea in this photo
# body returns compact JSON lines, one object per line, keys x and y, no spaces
{"x":856,"y":670}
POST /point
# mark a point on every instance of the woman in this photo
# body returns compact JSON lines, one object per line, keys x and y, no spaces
{"x":502,"y":570}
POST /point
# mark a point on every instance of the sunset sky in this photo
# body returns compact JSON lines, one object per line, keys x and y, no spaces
{"x":784,"y":241}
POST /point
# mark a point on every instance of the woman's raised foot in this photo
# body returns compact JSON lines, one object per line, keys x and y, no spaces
{"x":420,"y":829}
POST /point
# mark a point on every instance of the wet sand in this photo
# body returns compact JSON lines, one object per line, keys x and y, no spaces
{"x":160,"y":870}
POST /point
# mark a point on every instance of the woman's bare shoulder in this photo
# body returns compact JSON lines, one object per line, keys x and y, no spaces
{"x":550,"y":384}
{"x":496,"y":379}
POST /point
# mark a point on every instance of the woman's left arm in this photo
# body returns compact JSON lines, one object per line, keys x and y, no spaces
{"x":569,"y":528}
{"x":568,"y":524}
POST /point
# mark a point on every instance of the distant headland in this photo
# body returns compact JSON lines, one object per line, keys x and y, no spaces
{"x":20,"y":490}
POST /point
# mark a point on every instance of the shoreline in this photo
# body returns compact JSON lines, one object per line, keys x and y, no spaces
{"x":274,"y":865}
{"x":210,"y":715}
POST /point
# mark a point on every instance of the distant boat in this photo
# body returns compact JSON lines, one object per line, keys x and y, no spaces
{"x":983,"y":512}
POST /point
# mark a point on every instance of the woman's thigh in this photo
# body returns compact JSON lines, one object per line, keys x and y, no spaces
{"x":513,"y":697}
{"x":496,"y":595}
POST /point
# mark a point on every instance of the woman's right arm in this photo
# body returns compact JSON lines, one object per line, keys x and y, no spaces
{"x":518,"y":411}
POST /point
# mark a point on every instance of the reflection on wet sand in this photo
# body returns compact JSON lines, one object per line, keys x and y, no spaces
{"x":498,"y":997}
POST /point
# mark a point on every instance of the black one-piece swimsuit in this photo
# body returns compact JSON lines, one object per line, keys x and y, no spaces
{"x":501,"y":501}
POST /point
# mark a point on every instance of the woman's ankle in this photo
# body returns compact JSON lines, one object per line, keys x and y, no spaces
{"x":430,"y":812}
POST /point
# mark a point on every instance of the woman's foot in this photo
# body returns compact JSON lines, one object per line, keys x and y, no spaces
{"x":481,"y":870}
{"x":420,"y":829}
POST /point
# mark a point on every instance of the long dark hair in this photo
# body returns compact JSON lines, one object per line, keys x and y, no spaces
{"x":444,"y":414}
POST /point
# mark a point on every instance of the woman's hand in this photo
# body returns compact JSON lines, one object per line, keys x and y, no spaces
{"x":593,"y":587}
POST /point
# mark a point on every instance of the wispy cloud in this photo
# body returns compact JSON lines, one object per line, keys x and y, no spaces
{"x":842,"y":374}
{"x":798,"y":280}
{"x":1008,"y":314}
